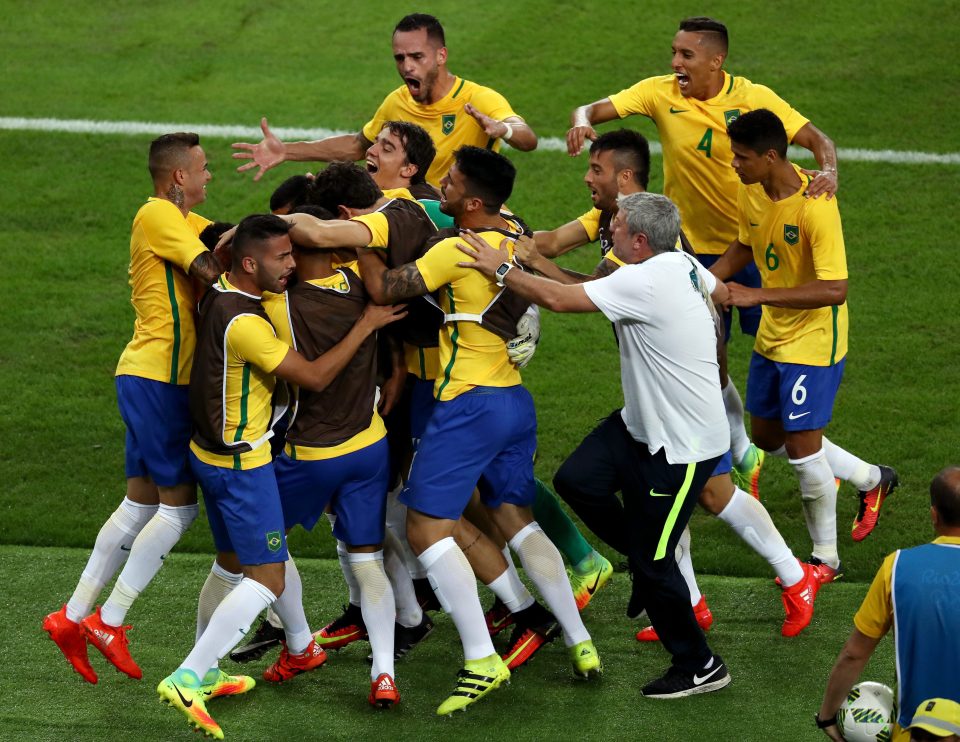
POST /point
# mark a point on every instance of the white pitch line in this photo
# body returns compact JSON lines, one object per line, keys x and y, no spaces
{"x":549,"y":144}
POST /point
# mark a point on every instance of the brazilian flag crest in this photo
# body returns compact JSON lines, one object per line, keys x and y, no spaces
{"x":730,"y":116}
{"x":791,"y":234}
{"x":274,"y":541}
{"x":447,"y":122}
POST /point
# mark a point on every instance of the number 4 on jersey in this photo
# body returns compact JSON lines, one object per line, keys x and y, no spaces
{"x":706,"y":142}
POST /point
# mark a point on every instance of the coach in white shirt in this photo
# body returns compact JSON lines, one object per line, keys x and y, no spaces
{"x":661,"y":448}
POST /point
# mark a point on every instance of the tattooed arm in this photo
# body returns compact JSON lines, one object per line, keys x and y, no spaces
{"x":205,"y":268}
{"x":388,"y":286}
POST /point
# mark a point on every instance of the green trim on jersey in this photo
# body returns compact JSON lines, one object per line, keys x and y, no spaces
{"x":730,"y":86}
{"x":244,"y":399}
{"x":835,"y":310}
{"x":462,"y":83}
{"x":490,"y":142}
{"x":175,"y":314}
{"x":423,"y":363}
{"x":454,"y":336}
{"x":674,"y":512}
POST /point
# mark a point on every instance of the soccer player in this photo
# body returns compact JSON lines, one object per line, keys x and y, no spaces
{"x":916,"y":593}
{"x":661,"y":448}
{"x":799,"y":355}
{"x":691,"y":109}
{"x":483,"y":430}
{"x":456,"y":112}
{"x":238,"y":358}
{"x":336,"y":453}
{"x":151,"y":379}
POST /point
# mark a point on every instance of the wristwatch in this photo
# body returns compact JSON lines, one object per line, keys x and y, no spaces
{"x":502,"y":271}
{"x":824,"y":723}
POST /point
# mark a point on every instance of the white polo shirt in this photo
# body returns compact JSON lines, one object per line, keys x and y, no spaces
{"x":668,"y":355}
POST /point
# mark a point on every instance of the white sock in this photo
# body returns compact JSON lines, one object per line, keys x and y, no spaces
{"x":685,"y":563}
{"x":455,"y":586}
{"x":509,"y":588}
{"x":289,"y":608}
{"x":819,"y":494}
{"x":780,"y":453}
{"x":228,"y":625}
{"x":273,"y":619}
{"x":543,"y":564}
{"x":352,"y":587}
{"x":377,"y":607}
{"x":147,"y":553}
{"x":409,"y":613}
{"x":733,"y":405}
{"x":219,"y":584}
{"x":751,"y":522}
{"x":110,"y":551}
{"x":397,"y":524}
{"x":849,"y":468}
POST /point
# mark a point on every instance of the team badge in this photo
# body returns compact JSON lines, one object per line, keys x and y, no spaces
{"x":274,"y":541}
{"x":791,"y":234}
{"x":447,"y":122}
{"x":731,"y":116}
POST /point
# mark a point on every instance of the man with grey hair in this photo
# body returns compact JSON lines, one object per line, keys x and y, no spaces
{"x":660,"y":449}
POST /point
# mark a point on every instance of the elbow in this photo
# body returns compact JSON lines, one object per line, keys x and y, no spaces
{"x":838,"y":294}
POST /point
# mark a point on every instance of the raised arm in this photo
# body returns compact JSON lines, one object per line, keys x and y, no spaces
{"x":205,"y":268}
{"x":270,"y":151}
{"x":309,"y":231}
{"x":825,"y":152}
{"x":582,"y":120}
{"x":563,"y":239}
{"x":527,"y":251}
{"x":316,"y":375}
{"x":513,"y":130}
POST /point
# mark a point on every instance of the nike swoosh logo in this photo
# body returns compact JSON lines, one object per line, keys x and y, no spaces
{"x":876,"y":505}
{"x":500,"y":622}
{"x":124,"y":548}
{"x":754,"y":225}
{"x":660,"y":494}
{"x":791,"y":416}
{"x":186,"y":703}
{"x":697,"y":680}
{"x":592,"y":590}
{"x":678,"y":110}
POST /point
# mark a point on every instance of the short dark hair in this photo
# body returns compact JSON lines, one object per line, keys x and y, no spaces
{"x":211,"y":234}
{"x":253,"y":231}
{"x":416,"y":21}
{"x":314,"y":210}
{"x":630,"y":151}
{"x":418,"y":147}
{"x":945,"y":496}
{"x":760,"y":131}
{"x":167,"y":152}
{"x":489,"y":176}
{"x":290,"y":193}
{"x":713,"y":29}
{"x":343,"y":183}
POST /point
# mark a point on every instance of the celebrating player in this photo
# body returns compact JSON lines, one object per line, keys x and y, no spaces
{"x":238,"y":358}
{"x":151,"y":380}
{"x":456,"y":112}
{"x":799,"y":356}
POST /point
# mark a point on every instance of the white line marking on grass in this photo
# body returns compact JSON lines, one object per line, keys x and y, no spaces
{"x":549,"y":144}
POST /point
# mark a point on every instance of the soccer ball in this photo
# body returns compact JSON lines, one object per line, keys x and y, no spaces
{"x":868,"y":713}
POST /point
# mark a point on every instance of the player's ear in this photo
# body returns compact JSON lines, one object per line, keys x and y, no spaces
{"x":442,"y":55}
{"x":408,"y":170}
{"x":249,"y":264}
{"x":344,"y":212}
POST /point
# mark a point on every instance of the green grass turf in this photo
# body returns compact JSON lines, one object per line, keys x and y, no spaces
{"x":777,"y":683}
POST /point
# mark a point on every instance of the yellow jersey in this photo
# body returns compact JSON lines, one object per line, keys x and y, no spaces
{"x":697,"y":172}
{"x":163,"y":244}
{"x":470,"y":355}
{"x":231,"y":396}
{"x":794,"y":241}
{"x":448,"y":126}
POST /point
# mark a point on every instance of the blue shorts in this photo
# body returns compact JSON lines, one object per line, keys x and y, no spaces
{"x":484,"y":438}
{"x":724,"y":465}
{"x":157,"y":416}
{"x":355,"y":485}
{"x":243,"y":509}
{"x":749,"y":316}
{"x":800,"y":396}
{"x":422,"y":404}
